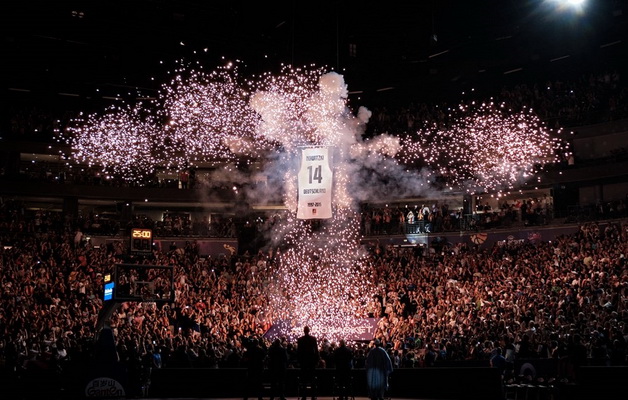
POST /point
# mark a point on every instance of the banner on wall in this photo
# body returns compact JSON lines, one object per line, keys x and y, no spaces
{"x":362,"y":329}
{"x":315,"y":182}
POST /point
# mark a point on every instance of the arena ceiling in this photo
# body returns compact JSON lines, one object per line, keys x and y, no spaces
{"x":395,"y":48}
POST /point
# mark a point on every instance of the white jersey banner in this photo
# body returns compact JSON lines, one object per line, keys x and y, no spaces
{"x":315,"y":183}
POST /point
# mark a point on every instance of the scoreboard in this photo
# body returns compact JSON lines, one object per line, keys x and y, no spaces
{"x":141,"y":241}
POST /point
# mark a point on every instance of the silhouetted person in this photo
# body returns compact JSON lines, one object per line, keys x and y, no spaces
{"x":254,"y":357}
{"x":576,"y":356}
{"x":378,"y":368}
{"x":343,"y":358}
{"x":308,"y":357}
{"x":430,"y":356}
{"x":498,"y":361}
{"x":277,"y":365}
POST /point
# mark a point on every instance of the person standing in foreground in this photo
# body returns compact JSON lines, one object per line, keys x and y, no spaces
{"x":277,"y":364}
{"x":378,"y":368}
{"x":343,"y":359}
{"x":254,"y":358}
{"x":308,"y":357}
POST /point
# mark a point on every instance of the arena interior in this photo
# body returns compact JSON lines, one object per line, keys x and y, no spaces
{"x":186,"y":186}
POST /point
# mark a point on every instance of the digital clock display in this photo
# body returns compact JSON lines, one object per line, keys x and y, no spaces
{"x":137,"y":233}
{"x":141,"y":240}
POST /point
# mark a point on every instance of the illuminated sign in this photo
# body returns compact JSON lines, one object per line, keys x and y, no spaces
{"x":109,"y":291}
{"x":141,"y":233}
{"x":141,"y":240}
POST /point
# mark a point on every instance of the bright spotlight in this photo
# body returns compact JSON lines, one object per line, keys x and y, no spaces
{"x":569,"y":5}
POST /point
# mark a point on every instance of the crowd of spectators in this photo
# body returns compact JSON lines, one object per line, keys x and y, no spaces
{"x":565,"y":299}
{"x":591,"y":99}
{"x":182,"y":224}
{"x":437,"y":216}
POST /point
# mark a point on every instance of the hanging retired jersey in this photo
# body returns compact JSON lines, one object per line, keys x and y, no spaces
{"x":315,"y":183}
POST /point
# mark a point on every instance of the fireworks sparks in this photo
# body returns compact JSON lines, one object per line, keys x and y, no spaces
{"x":120,"y":142}
{"x":322,"y":278}
{"x":221,"y":116}
{"x":486,"y":148}
{"x":207,"y":117}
